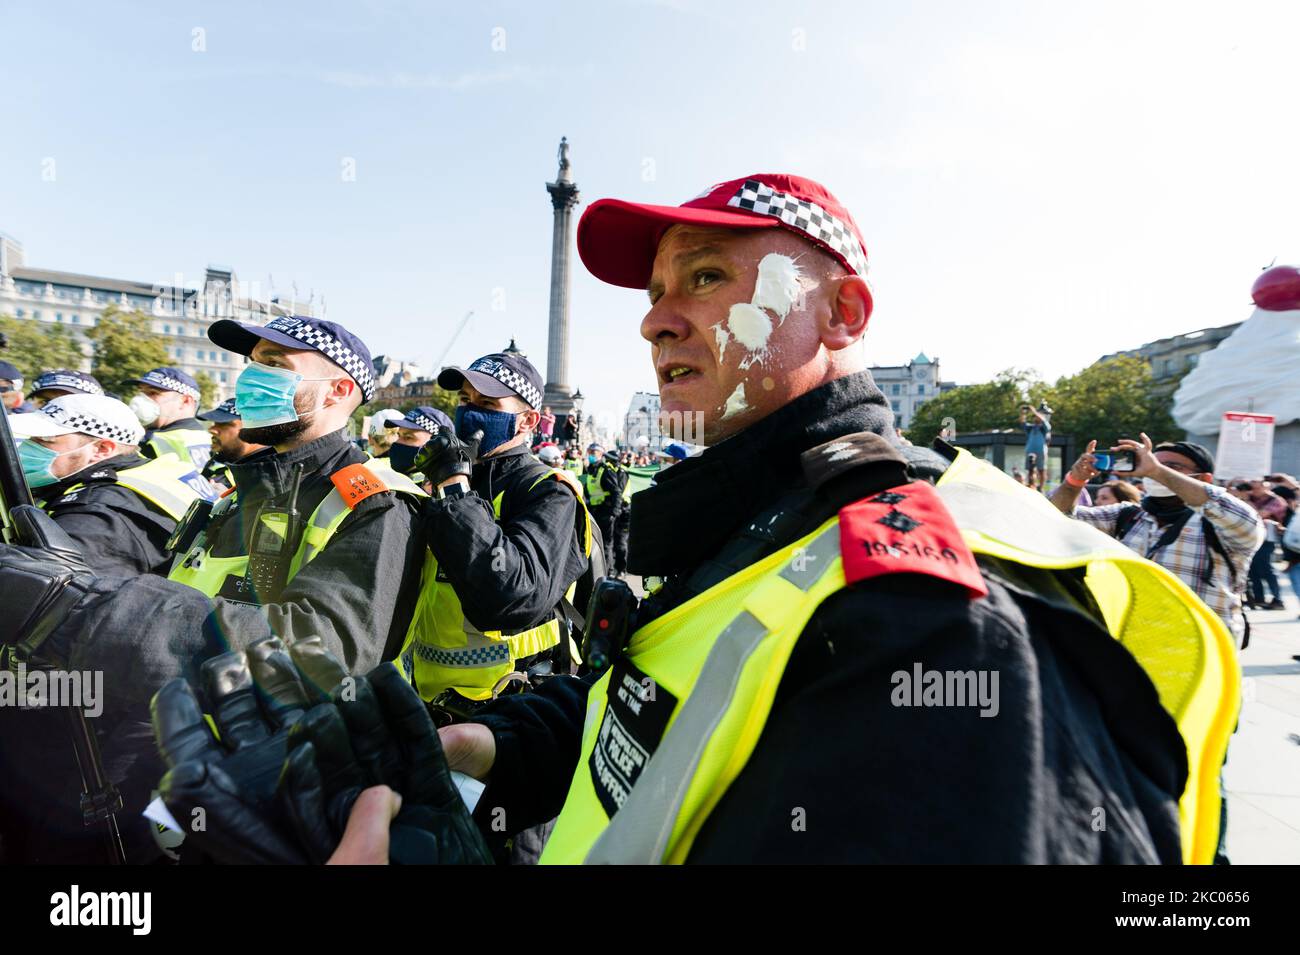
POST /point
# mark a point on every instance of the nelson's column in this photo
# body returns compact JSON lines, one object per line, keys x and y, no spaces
{"x":564,"y":196}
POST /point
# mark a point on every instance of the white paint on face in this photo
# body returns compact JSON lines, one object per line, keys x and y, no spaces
{"x":736,"y":403}
{"x":750,"y":327}
{"x":779,"y":288}
{"x":721,"y":335}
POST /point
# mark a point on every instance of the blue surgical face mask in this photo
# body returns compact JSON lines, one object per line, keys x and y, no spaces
{"x":402,"y":457}
{"x":264,"y":395}
{"x":498,"y":427}
{"x":38,"y":463}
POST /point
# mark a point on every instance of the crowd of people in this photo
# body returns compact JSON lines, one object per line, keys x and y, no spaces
{"x":311,"y":637}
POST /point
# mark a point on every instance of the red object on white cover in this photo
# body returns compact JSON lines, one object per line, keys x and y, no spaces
{"x":1277,"y":289}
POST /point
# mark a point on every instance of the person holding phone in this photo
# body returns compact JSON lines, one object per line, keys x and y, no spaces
{"x":1211,"y":555}
{"x":1038,"y":437}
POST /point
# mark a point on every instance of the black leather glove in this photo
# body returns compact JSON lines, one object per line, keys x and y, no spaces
{"x":374,"y":730}
{"x":225,"y":789}
{"x":41,"y":582}
{"x":446,"y":456}
{"x":37,"y":529}
{"x":382,"y":735}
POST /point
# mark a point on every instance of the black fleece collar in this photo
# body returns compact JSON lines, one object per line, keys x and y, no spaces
{"x":694,"y":507}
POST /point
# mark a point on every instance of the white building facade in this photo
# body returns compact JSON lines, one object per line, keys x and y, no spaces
{"x":180,"y":315}
{"x":907,"y":387}
{"x":642,"y":421}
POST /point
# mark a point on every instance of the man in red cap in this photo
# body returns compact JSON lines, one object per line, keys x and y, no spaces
{"x":772,"y":689}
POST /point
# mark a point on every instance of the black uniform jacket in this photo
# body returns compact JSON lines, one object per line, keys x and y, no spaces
{"x":120,"y":532}
{"x":510,"y":574}
{"x":1079,"y":764}
{"x":357,"y":594}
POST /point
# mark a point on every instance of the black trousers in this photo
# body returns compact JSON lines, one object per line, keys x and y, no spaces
{"x":622,"y":524}
{"x":605,"y":517}
{"x":1261,"y":573}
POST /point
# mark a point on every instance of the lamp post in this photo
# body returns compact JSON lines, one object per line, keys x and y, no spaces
{"x":578,"y":399}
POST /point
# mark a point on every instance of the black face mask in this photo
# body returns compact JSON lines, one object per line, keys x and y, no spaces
{"x":402,"y":457}
{"x":1164,"y":509}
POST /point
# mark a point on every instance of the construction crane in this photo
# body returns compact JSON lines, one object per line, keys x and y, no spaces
{"x":437,"y":366}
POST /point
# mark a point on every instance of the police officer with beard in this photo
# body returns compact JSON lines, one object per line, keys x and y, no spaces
{"x":224,"y":424}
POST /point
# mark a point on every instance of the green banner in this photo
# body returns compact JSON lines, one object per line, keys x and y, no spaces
{"x":638,"y":479}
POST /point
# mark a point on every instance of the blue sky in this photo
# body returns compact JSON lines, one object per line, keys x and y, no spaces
{"x":1038,"y":183}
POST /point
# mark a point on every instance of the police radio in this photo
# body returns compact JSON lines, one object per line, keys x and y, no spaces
{"x":611,"y":616}
{"x":276,"y":534}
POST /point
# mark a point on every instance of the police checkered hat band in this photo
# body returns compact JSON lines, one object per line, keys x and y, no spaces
{"x":169,"y":379}
{"x":67,"y":381}
{"x":805,"y":216}
{"x":516,"y":382}
{"x":358,"y":367}
{"x":424,"y":421}
{"x":96,"y":415}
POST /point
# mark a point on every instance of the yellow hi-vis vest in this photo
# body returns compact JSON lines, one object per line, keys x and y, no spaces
{"x":190,"y":445}
{"x":167,"y":482}
{"x":596,"y":494}
{"x":200,"y":570}
{"x":721,"y":656}
{"x":444,"y":651}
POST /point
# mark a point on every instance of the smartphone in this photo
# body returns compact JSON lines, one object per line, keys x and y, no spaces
{"x":1122,"y":460}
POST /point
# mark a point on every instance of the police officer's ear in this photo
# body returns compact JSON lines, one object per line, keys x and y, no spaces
{"x":527,"y":420}
{"x":105,"y":448}
{"x":845,"y":321}
{"x":342,"y":391}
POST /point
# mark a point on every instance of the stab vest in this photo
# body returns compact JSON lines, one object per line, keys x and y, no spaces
{"x":169,"y":483}
{"x":353,"y":484}
{"x":711,"y":666}
{"x":444,"y":651}
{"x":188,"y":444}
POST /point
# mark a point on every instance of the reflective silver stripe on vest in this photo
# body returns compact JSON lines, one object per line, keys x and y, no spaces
{"x":640,"y":830}
{"x":329,"y":509}
{"x":1004,"y":518}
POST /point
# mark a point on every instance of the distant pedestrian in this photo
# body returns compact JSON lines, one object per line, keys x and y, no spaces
{"x":1038,"y":438}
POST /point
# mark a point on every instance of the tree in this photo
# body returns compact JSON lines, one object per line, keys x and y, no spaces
{"x":983,"y":407}
{"x":207,"y":391}
{"x":1112,"y":400}
{"x":35,"y":347}
{"x":125,"y":347}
